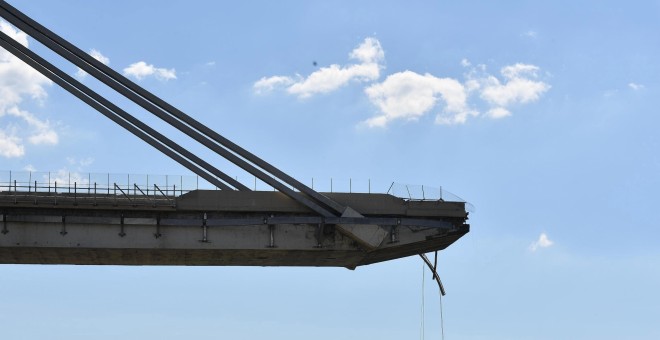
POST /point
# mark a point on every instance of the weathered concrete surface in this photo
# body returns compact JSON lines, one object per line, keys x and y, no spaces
{"x":219,"y":228}
{"x":369,"y":236}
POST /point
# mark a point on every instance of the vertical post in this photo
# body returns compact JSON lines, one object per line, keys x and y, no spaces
{"x":330,"y":184}
{"x":108,"y":184}
{"x":255,"y":183}
{"x":30,"y":181}
{"x":95,"y":193}
{"x":69,"y":183}
{"x":312,"y":183}
{"x":423,"y":195}
{"x":369,"y":185}
{"x":48,"y":181}
{"x":75,"y":193}
{"x":89,"y":183}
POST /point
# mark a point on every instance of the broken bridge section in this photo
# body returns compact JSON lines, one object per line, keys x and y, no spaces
{"x":295,"y":226}
{"x":227,"y":228}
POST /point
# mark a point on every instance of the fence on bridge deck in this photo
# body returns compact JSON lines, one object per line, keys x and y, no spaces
{"x":161,"y":190}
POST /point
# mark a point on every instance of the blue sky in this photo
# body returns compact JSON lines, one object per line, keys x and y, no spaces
{"x":541,"y":115}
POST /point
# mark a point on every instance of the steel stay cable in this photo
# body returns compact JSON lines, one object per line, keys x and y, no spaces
{"x":158,"y":107}
{"x":87,"y":96}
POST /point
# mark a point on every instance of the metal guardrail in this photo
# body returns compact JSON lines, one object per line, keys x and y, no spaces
{"x":161,"y":190}
{"x":92,"y":189}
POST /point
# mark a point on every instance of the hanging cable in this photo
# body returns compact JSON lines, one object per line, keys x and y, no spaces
{"x":442,"y":320}
{"x":421,"y":326}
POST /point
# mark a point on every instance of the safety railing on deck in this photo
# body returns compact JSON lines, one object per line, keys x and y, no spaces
{"x":161,"y":190}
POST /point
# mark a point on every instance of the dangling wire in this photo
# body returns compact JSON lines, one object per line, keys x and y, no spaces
{"x":442,"y":319}
{"x":433,"y":267}
{"x":421,"y":326}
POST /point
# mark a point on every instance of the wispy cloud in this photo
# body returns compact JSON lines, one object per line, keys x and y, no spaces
{"x":636,"y":86}
{"x":19,"y":83}
{"x":542,"y":242}
{"x":80,"y":74}
{"x":519,"y":86}
{"x":141,"y":70}
{"x":408,"y":95}
{"x":369,"y":56}
{"x":531,"y":34}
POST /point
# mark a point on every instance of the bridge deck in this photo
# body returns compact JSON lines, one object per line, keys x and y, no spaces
{"x":210,"y":227}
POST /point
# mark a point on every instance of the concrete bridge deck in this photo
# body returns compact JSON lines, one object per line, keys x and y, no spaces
{"x":211,"y":227}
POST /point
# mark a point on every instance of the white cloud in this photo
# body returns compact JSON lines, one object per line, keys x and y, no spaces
{"x":518,"y":87}
{"x":542,"y":242}
{"x":80,"y":74}
{"x":141,"y":70}
{"x":15,"y":34}
{"x":80,"y":163}
{"x":42,"y":132}
{"x":498,"y":112}
{"x":370,"y":55}
{"x":635,"y":86}
{"x":20,"y":82}
{"x":10,"y":145}
{"x":268,"y":84}
{"x":531,"y":34}
{"x":409,"y":95}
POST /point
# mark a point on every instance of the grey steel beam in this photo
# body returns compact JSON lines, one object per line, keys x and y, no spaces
{"x":158,"y":107}
{"x":106,"y":108}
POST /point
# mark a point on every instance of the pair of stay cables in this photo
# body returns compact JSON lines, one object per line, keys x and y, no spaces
{"x":176,"y":118}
